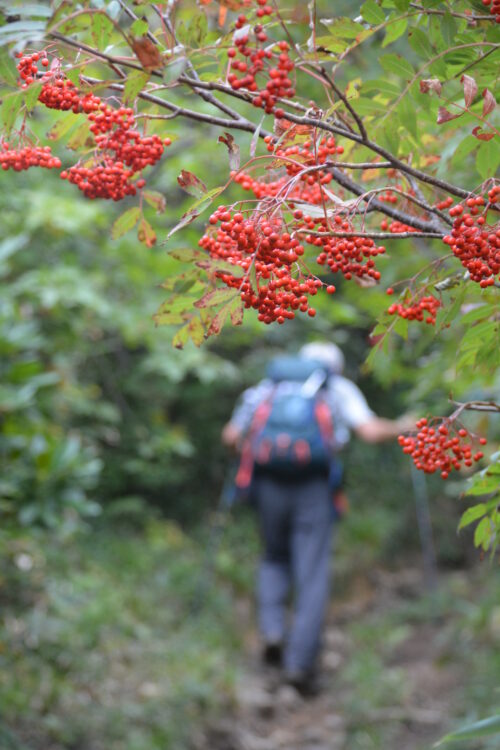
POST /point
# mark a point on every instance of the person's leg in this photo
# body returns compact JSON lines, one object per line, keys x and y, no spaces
{"x":273,"y":506}
{"x":311,"y":537}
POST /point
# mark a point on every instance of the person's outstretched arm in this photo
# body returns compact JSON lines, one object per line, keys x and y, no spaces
{"x":378,"y":429}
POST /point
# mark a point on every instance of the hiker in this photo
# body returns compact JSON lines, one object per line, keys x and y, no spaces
{"x":289,"y":430}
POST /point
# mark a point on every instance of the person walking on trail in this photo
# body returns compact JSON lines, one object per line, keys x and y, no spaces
{"x":289,"y":429}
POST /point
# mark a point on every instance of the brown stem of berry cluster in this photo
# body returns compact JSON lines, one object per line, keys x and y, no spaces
{"x":489,"y":406}
{"x":447,"y":12}
{"x":394,"y":213}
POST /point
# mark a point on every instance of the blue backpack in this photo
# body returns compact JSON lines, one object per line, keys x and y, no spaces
{"x":292,"y":431}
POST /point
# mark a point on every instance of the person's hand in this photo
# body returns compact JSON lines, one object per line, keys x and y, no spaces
{"x":231,"y":436}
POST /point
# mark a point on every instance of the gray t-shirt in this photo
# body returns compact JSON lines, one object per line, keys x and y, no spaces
{"x":347,"y":404}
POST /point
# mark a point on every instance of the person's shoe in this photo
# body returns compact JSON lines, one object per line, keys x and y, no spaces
{"x":304,"y":682}
{"x":272,"y":653}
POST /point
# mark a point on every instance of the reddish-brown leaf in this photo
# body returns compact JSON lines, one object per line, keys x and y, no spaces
{"x":430,"y":84}
{"x":489,"y":102}
{"x":470,"y":89}
{"x":233,"y":150}
{"x":191,"y":184}
{"x":445,"y":116}
{"x":482,"y":136}
{"x":145,"y":233}
{"x":147,"y":53}
{"x":156,"y":200}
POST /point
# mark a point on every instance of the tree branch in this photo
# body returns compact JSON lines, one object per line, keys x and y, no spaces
{"x":394,"y":213}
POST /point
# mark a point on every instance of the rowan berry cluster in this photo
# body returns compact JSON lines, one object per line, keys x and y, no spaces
{"x":28,"y":66}
{"x":256,"y":61}
{"x":445,"y":204}
{"x":494,"y":8}
{"x":350,"y":256}
{"x":423,"y":309}
{"x":395,"y":227}
{"x":109,"y":179}
{"x":121,"y":150}
{"x":262,"y":248}
{"x":439,"y":446}
{"x":388,"y":196}
{"x":475,"y":243}
{"x":301,"y":161}
{"x":19,"y":159}
{"x":60,"y":94}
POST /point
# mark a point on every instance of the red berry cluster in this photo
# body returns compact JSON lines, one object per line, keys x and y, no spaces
{"x":296,"y":160}
{"x":494,"y":9}
{"x":396,"y":227}
{"x":445,"y":204}
{"x":474,"y":242}
{"x":388,"y":196}
{"x":121,"y":151}
{"x":28,"y":66}
{"x":29,"y":156}
{"x":350,"y":256}
{"x":109,"y":179}
{"x":440,"y":447}
{"x":262,"y":244}
{"x":423,"y":309}
{"x":60,"y":94}
{"x":256,"y":60}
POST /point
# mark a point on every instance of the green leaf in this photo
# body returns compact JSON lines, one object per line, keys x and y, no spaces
{"x":62,"y":126}
{"x":181,"y":337}
{"x":344,"y":28}
{"x":394,"y":30}
{"x":31,"y":95}
{"x":381,"y":86}
{"x":483,"y":484}
{"x":483,"y":728}
{"x":134,"y":85}
{"x":397,"y":64}
{"x":488,"y":158}
{"x":11,"y":106}
{"x":196,"y":331}
{"x":408,"y":116}
{"x":420,"y":43}
{"x":216,"y":297}
{"x":8,"y":73}
{"x":81,"y":137}
{"x":482,"y":533}
{"x":372,"y":13}
{"x":139,"y":27}
{"x":236,"y":310}
{"x":125,"y":222}
{"x":218,"y":320}
{"x":468,"y":144}
{"x":101,"y":29}
{"x":448,"y":27}
{"x":472,"y":514}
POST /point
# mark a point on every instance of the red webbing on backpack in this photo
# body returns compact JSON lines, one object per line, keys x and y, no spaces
{"x":245,"y":469}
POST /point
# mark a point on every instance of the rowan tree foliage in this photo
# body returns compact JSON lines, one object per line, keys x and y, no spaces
{"x":378,"y":187}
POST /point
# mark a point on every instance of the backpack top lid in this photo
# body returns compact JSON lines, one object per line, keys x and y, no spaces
{"x":294,"y":368}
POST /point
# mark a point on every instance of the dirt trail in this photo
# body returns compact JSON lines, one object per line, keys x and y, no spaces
{"x":269,"y":715}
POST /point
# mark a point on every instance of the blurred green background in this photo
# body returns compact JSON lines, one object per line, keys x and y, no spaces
{"x":120,"y":625}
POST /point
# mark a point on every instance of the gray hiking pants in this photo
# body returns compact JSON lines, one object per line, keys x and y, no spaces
{"x":295,"y":519}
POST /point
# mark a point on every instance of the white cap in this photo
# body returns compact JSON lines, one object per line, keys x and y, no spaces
{"x":326,"y":353}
